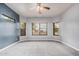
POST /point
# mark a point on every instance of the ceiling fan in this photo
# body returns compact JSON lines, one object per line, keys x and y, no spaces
{"x":41,"y":8}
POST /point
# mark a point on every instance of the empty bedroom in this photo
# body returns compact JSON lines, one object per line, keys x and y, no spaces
{"x":39,"y":29}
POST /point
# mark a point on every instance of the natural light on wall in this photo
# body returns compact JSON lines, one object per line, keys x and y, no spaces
{"x":2,"y":16}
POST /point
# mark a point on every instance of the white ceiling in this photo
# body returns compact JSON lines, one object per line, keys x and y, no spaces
{"x":29,"y":9}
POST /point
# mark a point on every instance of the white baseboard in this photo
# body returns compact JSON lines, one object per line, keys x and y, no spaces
{"x":70,"y":46}
{"x":8,"y":46}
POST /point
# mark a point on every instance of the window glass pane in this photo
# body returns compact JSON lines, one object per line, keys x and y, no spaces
{"x":35,"y":29}
{"x":43,"y":32}
{"x":23,"y":28}
{"x":39,"y":29}
{"x":56,"y":25}
{"x":56,"y":29}
{"x":43,"y":26}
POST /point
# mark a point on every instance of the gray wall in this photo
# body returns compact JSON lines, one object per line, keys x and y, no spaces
{"x":70,"y":27}
{"x":8,"y":30}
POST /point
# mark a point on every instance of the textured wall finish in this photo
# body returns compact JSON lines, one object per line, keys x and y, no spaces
{"x":70,"y":27}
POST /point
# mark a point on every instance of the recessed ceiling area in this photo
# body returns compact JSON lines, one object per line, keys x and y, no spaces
{"x":29,"y":9}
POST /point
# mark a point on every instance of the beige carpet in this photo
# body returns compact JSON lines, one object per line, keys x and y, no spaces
{"x":39,"y":49}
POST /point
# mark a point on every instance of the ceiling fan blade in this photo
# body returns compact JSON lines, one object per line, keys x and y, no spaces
{"x":47,"y":8}
{"x":41,"y":7}
{"x":39,"y":4}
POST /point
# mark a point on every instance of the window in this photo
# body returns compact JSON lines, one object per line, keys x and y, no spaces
{"x":23,"y":28}
{"x":35,"y":29}
{"x":39,"y":29}
{"x":43,"y":29}
{"x":56,"y":29}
